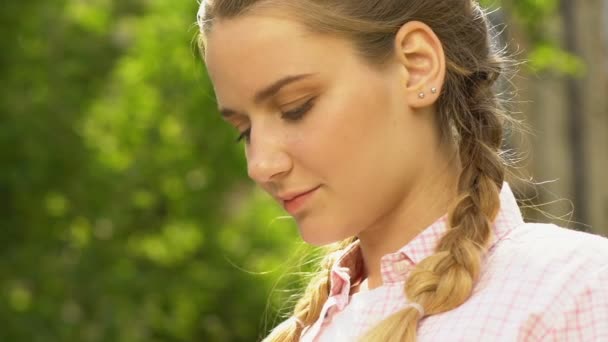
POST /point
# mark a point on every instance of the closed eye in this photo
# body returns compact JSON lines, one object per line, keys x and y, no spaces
{"x":298,"y":113}
{"x":293,"y":115}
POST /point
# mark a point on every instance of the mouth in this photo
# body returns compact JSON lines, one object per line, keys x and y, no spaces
{"x":297,"y":203}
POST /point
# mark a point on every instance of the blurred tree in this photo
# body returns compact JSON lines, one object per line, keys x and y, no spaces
{"x":564,"y":85}
{"x":115,"y":176}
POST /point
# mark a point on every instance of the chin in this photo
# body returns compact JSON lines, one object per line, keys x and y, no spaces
{"x":315,"y":236}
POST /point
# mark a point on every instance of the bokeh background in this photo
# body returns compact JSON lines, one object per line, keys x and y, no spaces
{"x":126,"y":213}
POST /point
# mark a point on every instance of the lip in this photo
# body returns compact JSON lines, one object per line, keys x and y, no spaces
{"x":296,"y":202}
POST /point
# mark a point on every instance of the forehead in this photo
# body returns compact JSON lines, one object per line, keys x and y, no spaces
{"x":249,"y":52}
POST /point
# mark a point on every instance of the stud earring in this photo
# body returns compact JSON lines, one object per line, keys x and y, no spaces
{"x":434,"y":90}
{"x":421,"y":95}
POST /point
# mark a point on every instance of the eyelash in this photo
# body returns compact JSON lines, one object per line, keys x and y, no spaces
{"x":293,"y":115}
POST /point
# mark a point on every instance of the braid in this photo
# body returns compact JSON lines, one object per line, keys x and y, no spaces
{"x":308,"y":308}
{"x":445,"y":280}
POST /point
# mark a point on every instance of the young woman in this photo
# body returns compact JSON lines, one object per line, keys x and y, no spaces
{"x":375,"y":123}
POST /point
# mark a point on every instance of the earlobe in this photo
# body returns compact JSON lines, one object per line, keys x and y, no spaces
{"x":420,"y":52}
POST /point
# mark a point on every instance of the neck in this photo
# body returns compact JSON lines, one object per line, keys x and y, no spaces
{"x":423,"y":204}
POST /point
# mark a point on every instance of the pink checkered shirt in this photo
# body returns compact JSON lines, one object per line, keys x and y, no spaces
{"x":539,"y":282}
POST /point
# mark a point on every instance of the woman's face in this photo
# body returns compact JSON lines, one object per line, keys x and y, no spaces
{"x":340,"y":132}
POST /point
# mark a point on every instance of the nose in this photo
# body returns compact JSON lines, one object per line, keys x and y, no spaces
{"x":267,"y":157}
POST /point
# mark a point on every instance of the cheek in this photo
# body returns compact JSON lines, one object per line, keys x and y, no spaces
{"x":346,"y":130}
{"x":317,"y":141}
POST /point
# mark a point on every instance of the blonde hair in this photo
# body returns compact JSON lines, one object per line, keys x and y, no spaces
{"x":469,"y":113}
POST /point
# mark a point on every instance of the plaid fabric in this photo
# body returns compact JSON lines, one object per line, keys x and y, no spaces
{"x":539,"y":282}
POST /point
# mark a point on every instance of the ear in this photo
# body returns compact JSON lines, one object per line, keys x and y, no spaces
{"x":420,"y":53}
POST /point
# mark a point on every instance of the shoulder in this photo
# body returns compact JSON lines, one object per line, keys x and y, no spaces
{"x":542,"y":262}
{"x":566,"y":273}
{"x":558,"y":273}
{"x":543,"y":245}
{"x":580,"y":313}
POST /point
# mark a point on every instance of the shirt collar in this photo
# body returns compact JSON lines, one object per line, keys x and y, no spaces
{"x":395,"y":266}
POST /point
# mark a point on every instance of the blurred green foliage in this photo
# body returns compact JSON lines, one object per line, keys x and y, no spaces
{"x":535,"y":17}
{"x":127,"y":214}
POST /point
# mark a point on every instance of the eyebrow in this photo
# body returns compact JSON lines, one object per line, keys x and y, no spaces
{"x":267,"y":92}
